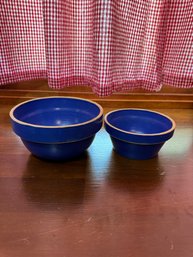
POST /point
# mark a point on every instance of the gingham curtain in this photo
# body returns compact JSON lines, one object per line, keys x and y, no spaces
{"x":111,"y":45}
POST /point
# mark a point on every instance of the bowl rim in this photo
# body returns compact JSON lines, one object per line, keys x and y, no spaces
{"x":11,"y":113}
{"x":138,"y":134}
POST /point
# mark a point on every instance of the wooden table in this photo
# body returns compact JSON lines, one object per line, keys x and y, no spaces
{"x":99,"y":205}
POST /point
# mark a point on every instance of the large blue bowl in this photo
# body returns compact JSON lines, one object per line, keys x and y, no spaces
{"x":57,"y":128}
{"x":138,"y":133}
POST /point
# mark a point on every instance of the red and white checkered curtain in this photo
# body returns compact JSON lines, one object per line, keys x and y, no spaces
{"x":108,"y":44}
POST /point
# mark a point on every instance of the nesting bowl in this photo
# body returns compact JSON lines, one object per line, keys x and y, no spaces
{"x":57,"y":128}
{"x":138,"y":133}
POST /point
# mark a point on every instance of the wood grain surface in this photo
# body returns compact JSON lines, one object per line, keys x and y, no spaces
{"x":101,"y":204}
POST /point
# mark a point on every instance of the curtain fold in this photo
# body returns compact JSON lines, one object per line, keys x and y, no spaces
{"x":106,"y":44}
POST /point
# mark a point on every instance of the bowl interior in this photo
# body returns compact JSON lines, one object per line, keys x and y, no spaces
{"x":56,"y":111}
{"x":139,"y":121}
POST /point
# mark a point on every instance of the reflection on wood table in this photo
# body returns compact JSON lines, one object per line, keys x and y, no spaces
{"x":99,"y":204}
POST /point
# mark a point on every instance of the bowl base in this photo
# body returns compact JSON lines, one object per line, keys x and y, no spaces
{"x":136,"y":151}
{"x":58,"y":152}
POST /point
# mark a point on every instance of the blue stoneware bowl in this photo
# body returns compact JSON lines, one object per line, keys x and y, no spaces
{"x":138,"y":133}
{"x":57,"y":128}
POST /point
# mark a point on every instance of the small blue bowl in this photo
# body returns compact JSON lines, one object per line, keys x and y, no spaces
{"x":138,"y":133}
{"x":57,"y":128}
